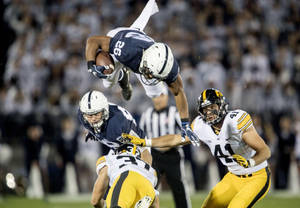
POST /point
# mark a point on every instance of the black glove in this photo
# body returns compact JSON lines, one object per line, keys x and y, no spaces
{"x":90,"y":136}
{"x":97,"y":71}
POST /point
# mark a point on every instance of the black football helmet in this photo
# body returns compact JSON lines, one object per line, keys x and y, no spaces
{"x":129,"y":149}
{"x":212,"y":96}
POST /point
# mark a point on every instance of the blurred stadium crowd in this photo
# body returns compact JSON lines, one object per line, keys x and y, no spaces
{"x":248,"y":50}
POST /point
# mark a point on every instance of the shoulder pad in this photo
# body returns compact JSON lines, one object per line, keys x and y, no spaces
{"x":240,"y":119}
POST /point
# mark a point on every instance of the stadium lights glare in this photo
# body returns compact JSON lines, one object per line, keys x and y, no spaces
{"x":10,"y":181}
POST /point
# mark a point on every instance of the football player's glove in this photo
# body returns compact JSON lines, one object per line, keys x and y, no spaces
{"x":90,"y":136}
{"x":97,"y":71}
{"x":243,"y":162}
{"x":187,"y":131}
{"x":127,"y":138}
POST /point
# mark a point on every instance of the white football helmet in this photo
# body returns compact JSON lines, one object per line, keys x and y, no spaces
{"x":94,"y":102}
{"x":157,"y":61}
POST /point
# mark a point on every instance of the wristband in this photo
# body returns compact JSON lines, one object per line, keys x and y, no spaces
{"x":251,"y":162}
{"x":148,"y":142}
{"x":185,"y":120}
{"x":90,"y":64}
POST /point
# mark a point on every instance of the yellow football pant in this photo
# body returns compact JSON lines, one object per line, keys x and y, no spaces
{"x":128,"y":189}
{"x":237,"y":192}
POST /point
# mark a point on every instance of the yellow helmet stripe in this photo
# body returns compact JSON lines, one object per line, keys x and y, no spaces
{"x":204,"y":95}
{"x":134,"y":149}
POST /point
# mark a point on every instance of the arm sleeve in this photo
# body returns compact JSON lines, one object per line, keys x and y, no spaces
{"x":240,"y":121}
{"x":101,"y":162}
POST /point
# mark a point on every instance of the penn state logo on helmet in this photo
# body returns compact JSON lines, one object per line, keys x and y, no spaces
{"x":92,"y":103}
{"x":212,"y":96}
{"x":156,"y":64}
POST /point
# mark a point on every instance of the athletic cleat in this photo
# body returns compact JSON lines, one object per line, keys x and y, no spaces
{"x":127,"y":92}
{"x":125,"y":85}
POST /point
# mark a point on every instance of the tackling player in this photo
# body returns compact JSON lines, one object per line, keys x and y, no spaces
{"x":132,"y":180}
{"x":106,"y":121}
{"x":232,"y":138}
{"x":152,"y":62}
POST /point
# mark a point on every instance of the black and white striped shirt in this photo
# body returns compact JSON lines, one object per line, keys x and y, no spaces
{"x":158,"y":123}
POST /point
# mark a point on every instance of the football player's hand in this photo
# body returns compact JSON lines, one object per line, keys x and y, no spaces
{"x":90,"y":136}
{"x":241,"y":160}
{"x":187,"y":131}
{"x":97,"y":71}
{"x":127,"y":138}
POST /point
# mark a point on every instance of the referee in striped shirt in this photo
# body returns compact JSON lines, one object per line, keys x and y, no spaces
{"x":157,"y":121}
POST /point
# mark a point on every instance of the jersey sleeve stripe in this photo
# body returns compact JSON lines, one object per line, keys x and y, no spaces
{"x":100,"y":160}
{"x":244,"y":122}
{"x":247,"y":126}
{"x":244,"y":114}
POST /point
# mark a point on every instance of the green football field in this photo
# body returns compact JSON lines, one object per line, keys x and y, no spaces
{"x":273,"y":200}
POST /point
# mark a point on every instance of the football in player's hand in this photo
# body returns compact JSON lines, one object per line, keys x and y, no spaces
{"x":104,"y":59}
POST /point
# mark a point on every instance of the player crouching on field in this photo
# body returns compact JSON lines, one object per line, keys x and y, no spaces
{"x":131,"y":180}
{"x":232,"y":138}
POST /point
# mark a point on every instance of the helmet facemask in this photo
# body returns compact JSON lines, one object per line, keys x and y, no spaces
{"x":156,"y":64}
{"x":209,"y":97}
{"x":147,"y":77}
{"x":96,"y":125}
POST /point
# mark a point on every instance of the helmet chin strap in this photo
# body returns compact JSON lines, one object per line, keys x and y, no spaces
{"x":149,"y":82}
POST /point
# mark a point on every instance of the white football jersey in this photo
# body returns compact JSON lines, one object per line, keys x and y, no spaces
{"x":229,"y":140}
{"x":120,"y":163}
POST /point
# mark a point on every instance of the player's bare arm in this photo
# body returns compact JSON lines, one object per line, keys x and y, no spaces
{"x":180,"y":98}
{"x":181,"y":103}
{"x":146,"y":156}
{"x":155,"y":203}
{"x":93,"y":43}
{"x":100,"y":187}
{"x":252,"y":138}
{"x":170,"y":140}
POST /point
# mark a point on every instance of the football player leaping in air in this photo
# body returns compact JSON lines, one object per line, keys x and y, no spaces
{"x":153,"y":63}
{"x":232,"y":138}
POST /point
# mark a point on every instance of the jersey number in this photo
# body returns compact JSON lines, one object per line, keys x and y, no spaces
{"x":118,"y":48}
{"x":219,"y":154}
{"x":132,"y":160}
